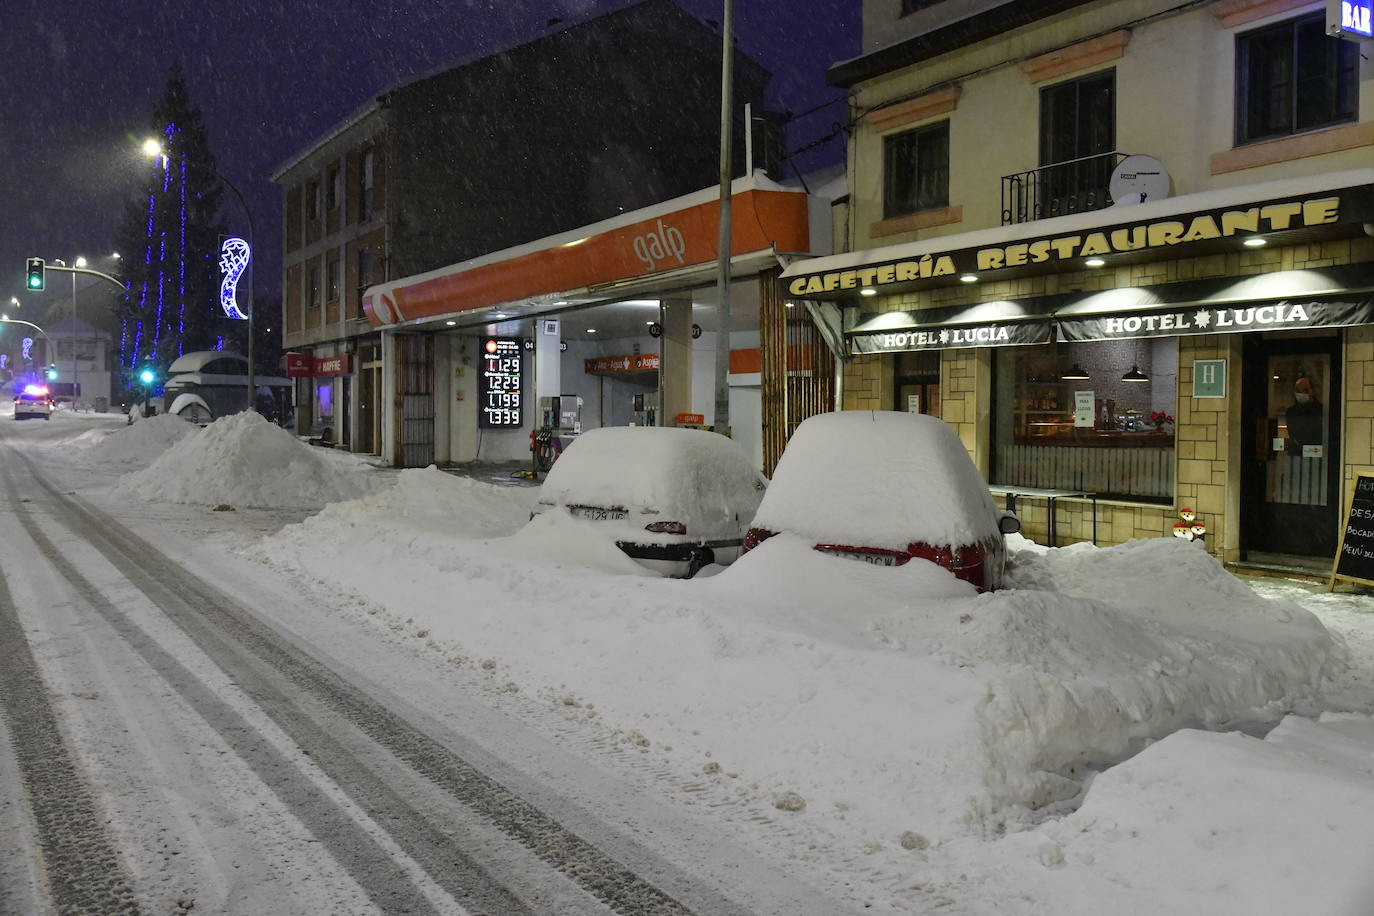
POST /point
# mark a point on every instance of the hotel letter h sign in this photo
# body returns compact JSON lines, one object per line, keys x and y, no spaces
{"x":1209,"y":378}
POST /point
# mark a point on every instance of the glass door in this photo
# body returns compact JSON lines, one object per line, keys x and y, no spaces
{"x":1291,"y":446}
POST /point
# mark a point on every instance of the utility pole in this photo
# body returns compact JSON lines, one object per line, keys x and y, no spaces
{"x":727,"y":58}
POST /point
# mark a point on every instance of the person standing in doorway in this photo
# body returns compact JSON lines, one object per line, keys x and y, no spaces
{"x":1306,"y":418}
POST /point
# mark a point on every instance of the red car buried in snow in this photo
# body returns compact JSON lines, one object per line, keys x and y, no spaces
{"x":886,"y":487}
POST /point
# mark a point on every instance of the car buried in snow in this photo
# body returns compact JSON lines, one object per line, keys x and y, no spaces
{"x":674,"y":500}
{"x":886,"y":487}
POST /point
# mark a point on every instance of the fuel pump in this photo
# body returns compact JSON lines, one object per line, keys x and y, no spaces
{"x":645,"y":409}
{"x":560,"y":418}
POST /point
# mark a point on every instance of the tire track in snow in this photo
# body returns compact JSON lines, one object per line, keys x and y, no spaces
{"x":82,"y":867}
{"x":252,"y":652}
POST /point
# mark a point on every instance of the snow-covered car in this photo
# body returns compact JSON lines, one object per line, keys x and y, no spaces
{"x":33,"y":401}
{"x":886,"y":487}
{"x":192,"y":407}
{"x":674,"y":500}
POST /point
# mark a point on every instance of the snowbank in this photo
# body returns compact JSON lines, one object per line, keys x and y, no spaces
{"x":139,"y":443}
{"x":878,"y":479}
{"x":1202,"y":822}
{"x":244,"y":461}
{"x":893,"y":702}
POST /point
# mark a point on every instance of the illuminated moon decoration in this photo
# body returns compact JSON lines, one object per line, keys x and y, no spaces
{"x":233,"y":261}
{"x":28,"y":345}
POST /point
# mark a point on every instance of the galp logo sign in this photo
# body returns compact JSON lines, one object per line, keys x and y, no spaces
{"x":660,"y":244}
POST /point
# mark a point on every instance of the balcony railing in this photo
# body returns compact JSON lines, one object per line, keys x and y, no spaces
{"x":1075,"y":186}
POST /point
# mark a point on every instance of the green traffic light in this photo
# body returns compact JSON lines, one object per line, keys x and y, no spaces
{"x":35,"y":281}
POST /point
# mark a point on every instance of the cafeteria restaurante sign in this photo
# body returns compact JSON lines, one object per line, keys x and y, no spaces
{"x":1270,"y":217}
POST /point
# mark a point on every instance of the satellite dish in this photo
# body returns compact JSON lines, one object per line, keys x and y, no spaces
{"x":1137,"y":179}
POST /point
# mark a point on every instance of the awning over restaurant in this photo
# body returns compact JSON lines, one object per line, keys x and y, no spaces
{"x":1283,"y":300}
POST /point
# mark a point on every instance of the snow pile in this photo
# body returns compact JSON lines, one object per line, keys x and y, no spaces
{"x":692,"y":476}
{"x":892,"y":701}
{"x":878,"y":479}
{"x":414,"y":517}
{"x":139,"y":443}
{"x":1209,"y":823}
{"x":244,"y":461}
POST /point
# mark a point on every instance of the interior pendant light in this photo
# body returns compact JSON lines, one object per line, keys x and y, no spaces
{"x":1135,"y":375}
{"x":1077,"y":373}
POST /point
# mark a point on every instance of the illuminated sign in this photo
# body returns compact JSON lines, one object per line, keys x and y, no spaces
{"x":500,"y":389}
{"x":28,"y":348}
{"x":1352,"y":20}
{"x":234,"y":255}
{"x":1157,"y":234}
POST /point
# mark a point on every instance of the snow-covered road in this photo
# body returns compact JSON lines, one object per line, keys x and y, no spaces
{"x":357,"y":690}
{"x":207,"y":734}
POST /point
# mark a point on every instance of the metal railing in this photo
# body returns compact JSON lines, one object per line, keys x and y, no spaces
{"x":1075,"y":186}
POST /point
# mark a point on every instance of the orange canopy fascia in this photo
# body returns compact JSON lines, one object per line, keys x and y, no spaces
{"x":761,"y":220}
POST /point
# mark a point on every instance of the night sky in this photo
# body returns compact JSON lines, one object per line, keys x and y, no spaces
{"x":79,"y":80}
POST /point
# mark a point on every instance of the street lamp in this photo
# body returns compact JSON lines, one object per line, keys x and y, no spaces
{"x":154,"y":149}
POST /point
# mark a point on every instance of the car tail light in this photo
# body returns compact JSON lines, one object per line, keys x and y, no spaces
{"x":666,"y":527}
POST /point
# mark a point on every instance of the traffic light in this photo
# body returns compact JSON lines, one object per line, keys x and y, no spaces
{"x":52,"y":373}
{"x":35,"y":269}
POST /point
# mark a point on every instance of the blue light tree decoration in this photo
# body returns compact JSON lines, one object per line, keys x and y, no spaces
{"x":173,"y":303}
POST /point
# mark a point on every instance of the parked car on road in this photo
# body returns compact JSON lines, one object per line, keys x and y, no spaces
{"x":33,"y":401}
{"x":674,"y":500}
{"x":886,"y":487}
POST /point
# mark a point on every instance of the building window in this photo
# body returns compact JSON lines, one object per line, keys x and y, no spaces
{"x":1077,"y":139}
{"x":332,"y":279}
{"x":1124,"y":449}
{"x":313,"y":292}
{"x":1291,"y":77}
{"x":334,"y":188}
{"x":364,"y":278}
{"x":365,"y":188}
{"x":916,"y":170}
{"x":312,"y":200}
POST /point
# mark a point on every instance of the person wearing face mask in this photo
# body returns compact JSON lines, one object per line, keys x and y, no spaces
{"x":1305,"y":416}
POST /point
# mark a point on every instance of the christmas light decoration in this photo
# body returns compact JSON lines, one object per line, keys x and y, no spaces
{"x":233,"y":261}
{"x":28,"y":347}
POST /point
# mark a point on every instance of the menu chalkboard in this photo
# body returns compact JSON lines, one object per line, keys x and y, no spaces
{"x":1355,"y":556}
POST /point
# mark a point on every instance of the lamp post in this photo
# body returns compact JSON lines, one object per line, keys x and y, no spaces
{"x":153,"y":148}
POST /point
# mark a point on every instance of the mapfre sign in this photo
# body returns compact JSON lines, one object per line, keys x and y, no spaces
{"x":300,"y":365}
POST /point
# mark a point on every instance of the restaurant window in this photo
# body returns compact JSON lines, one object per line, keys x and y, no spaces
{"x":1068,"y":416}
{"x":1291,"y":77}
{"x":916,"y":170}
{"x":1077,"y":142}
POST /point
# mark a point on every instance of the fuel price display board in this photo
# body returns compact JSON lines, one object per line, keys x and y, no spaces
{"x":500,"y":390}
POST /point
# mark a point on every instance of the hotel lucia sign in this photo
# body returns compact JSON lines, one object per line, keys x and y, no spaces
{"x":1159,"y":234}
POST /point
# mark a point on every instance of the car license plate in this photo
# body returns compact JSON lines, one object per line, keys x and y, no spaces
{"x":877,"y":559}
{"x":597,"y":514}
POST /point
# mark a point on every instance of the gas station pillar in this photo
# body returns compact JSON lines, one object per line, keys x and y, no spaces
{"x":675,"y":360}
